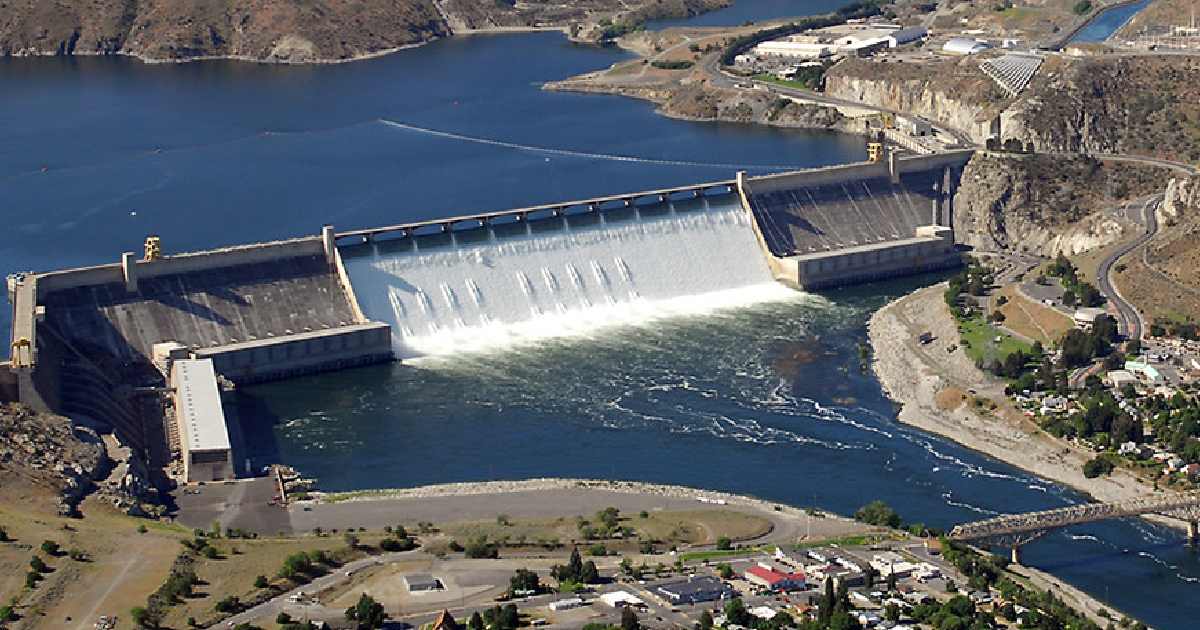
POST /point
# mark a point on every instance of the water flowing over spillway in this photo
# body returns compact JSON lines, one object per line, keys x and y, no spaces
{"x":493,"y":287}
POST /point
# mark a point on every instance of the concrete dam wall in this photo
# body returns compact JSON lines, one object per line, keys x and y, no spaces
{"x":86,"y":341}
{"x":495,"y":285}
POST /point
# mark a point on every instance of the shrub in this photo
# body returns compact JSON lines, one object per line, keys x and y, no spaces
{"x":261,"y":582}
{"x":1097,"y":466}
{"x":229,"y":604}
{"x":878,"y":513}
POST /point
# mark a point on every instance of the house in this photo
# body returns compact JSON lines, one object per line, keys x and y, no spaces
{"x":775,"y":580}
{"x":421,"y":583}
{"x":1191,"y":470}
{"x":1119,"y":378}
{"x":1053,"y":404}
{"x":1085,"y":317}
{"x":695,"y":589}
{"x":890,"y":562}
{"x":763,"y":612}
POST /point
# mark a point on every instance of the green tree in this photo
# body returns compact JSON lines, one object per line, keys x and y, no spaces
{"x":878,"y":513}
{"x":629,"y":619}
{"x":725,"y":571}
{"x":475,"y":622}
{"x":736,"y":613}
{"x":260,"y":581}
{"x":706,"y":620}
{"x":724,"y":544}
{"x":143,"y":617}
{"x":367,"y":613}
{"x":524,"y":580}
{"x":50,"y":547}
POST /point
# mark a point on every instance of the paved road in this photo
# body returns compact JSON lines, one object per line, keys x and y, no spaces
{"x":1129,"y":320}
{"x":272,"y":607}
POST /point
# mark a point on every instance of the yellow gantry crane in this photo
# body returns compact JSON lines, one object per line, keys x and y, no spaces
{"x":153,"y":248}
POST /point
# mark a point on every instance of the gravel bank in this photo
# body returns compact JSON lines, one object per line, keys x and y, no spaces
{"x":927,"y":382}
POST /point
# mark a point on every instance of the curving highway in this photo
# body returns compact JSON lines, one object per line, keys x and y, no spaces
{"x":1129,"y":320}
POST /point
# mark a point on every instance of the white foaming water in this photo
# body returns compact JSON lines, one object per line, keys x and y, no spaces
{"x":515,"y":289}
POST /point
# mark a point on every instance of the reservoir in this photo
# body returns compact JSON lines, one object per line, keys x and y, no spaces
{"x":763,"y":397}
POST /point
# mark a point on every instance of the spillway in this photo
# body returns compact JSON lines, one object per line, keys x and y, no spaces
{"x":504,"y":284}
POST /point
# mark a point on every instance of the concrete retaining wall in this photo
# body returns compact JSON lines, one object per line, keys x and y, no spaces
{"x":179,"y":263}
{"x":877,"y":262}
{"x":319,"y":351}
{"x":866,"y":170}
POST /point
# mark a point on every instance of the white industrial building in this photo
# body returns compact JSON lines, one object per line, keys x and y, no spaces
{"x":964,"y":46}
{"x":795,"y":49}
{"x":203,"y":436}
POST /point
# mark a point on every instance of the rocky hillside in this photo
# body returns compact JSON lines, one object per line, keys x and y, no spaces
{"x":1142,"y":105}
{"x":952,"y":92}
{"x":1046,"y":204}
{"x":288,"y":30}
{"x":45,"y":451}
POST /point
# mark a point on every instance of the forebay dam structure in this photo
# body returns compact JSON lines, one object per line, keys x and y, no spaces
{"x":99,"y":342}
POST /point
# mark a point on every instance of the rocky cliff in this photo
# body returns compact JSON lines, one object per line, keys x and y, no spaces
{"x":1047,"y":204}
{"x":1140,"y":105}
{"x":297,"y":31}
{"x":951,"y":92}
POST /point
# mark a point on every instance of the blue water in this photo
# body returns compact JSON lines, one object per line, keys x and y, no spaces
{"x":1108,"y":22}
{"x":767,"y":400}
{"x":743,"y":12}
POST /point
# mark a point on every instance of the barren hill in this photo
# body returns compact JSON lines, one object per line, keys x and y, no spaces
{"x":289,"y":30}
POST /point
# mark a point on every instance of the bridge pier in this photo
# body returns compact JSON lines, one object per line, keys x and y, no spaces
{"x":1191,"y":533}
{"x":1016,"y":555}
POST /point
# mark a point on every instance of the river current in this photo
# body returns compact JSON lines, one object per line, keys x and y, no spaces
{"x":768,"y":399}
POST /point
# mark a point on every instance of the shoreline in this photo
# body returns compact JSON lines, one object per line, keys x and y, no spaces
{"x":537,"y":484}
{"x":920,"y":385}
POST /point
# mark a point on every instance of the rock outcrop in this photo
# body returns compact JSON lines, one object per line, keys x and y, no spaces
{"x":1134,"y":105}
{"x":47,"y":450}
{"x":952,"y":93}
{"x":1046,"y":204}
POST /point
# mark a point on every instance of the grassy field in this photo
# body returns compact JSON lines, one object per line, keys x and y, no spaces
{"x":770,"y":78}
{"x":1033,"y":320}
{"x":696,"y":527}
{"x":233,"y":573}
{"x":979,"y":341}
{"x":121,"y":567}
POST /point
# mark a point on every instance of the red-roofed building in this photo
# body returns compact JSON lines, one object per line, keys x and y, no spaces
{"x":774,"y":579}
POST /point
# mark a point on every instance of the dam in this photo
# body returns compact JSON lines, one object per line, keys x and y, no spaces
{"x":98,"y":342}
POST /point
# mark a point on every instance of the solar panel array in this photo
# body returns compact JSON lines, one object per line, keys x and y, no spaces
{"x":1012,"y":72}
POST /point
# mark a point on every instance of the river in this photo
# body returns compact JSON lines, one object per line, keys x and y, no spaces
{"x":766,"y":399}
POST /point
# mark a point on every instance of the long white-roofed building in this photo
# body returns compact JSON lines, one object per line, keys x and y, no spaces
{"x":203,"y":435}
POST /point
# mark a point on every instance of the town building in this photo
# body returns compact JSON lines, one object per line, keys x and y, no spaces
{"x":200,"y":421}
{"x":695,"y":589}
{"x":889,"y":563}
{"x":774,"y":579}
{"x":421,"y":583}
{"x":622,"y":599}
{"x":1145,"y":371}
{"x":1085,"y":317}
{"x":1121,"y":378}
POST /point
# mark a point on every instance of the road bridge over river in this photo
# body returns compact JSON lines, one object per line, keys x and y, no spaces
{"x":1015,"y":530}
